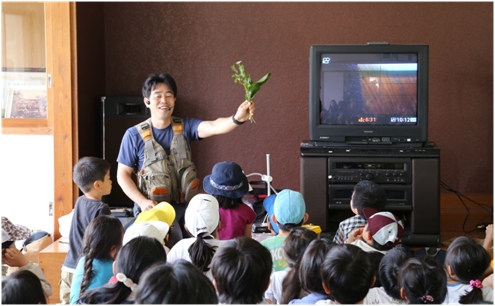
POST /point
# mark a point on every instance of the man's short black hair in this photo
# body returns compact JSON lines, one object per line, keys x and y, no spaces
{"x":154,"y":79}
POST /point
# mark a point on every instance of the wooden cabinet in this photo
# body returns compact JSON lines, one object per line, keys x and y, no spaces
{"x":50,"y":260}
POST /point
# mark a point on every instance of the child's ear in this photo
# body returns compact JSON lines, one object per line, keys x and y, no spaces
{"x":367,"y":236}
{"x":403,"y":293}
{"x":305,"y":218}
{"x":214,"y":284}
{"x":327,"y":291}
{"x":373,"y":281}
{"x":450,"y":271}
{"x":114,"y":268}
{"x":274,"y":219}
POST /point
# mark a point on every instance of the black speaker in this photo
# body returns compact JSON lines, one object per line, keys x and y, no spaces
{"x":426,"y":196}
{"x":314,"y":185}
{"x":118,"y":114}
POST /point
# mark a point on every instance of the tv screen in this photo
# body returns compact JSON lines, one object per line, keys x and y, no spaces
{"x":369,"y":93}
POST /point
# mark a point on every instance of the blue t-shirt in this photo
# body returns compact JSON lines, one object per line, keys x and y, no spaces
{"x":102,"y":273}
{"x":131,"y":151}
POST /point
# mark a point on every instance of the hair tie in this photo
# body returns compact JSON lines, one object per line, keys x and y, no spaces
{"x":126,"y":281}
{"x":427,"y":298}
{"x":476,"y":284}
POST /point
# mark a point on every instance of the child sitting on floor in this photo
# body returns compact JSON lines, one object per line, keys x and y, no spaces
{"x":228,"y":184}
{"x":466,"y":262}
{"x":309,"y":271}
{"x":347,"y":275}
{"x":365,"y":194}
{"x":202,"y":220}
{"x":285,"y":285}
{"x":101,"y":242}
{"x":241,"y":271}
{"x":422,"y":281}
{"x":133,"y":259}
{"x":287,"y":210}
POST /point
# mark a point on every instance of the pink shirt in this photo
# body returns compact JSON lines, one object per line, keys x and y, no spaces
{"x":234,"y":221}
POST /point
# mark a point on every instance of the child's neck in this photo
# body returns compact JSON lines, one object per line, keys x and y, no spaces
{"x":282,"y":233}
{"x":93,"y":195}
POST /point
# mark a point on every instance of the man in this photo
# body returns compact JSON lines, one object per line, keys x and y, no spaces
{"x":159,"y":93}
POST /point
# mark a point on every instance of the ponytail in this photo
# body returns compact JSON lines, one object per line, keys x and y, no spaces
{"x":201,"y":253}
{"x":474,"y":296}
{"x":291,"y":285}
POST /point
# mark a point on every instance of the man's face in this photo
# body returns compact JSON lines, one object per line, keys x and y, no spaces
{"x":161,"y":98}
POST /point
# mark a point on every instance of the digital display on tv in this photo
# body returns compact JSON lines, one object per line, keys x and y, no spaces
{"x":369,"y":89}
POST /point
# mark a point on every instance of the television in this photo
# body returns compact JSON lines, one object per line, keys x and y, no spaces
{"x":368,"y":94}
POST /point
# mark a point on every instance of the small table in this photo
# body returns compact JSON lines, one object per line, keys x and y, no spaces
{"x":51,"y":259}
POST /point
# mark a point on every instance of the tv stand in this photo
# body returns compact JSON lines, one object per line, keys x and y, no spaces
{"x":410,"y":176}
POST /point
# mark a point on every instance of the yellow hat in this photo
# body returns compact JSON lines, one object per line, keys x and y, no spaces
{"x":163,"y":211}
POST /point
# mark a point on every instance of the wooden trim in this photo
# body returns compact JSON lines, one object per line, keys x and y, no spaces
{"x":75,"y":101}
{"x":59,"y":26}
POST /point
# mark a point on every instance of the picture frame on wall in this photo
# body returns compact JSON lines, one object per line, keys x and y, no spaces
{"x":27,"y":102}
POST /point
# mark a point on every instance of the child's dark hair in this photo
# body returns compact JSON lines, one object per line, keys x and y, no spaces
{"x":226,"y":202}
{"x":89,"y":170}
{"x":294,"y":246}
{"x":288,"y":226}
{"x":389,"y":269}
{"x":133,"y":259}
{"x":376,"y":258}
{"x":311,"y":262}
{"x":368,"y":194}
{"x":154,"y":79}
{"x":468,"y":261}
{"x":241,"y":269}
{"x":102,"y":236}
{"x":178,"y":283}
{"x":201,"y":253}
{"x":347,"y":273}
{"x":424,"y":281}
{"x":22,"y":287}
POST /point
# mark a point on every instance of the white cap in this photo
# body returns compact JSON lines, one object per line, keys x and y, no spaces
{"x":202,"y":214}
{"x":152,"y":229}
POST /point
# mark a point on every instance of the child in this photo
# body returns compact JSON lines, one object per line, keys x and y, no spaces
{"x":365,"y":194}
{"x":488,"y":245}
{"x":201,"y":221}
{"x":133,"y":259}
{"x":389,"y":292}
{"x":179,"y":283}
{"x":347,"y":275}
{"x":309,"y":271}
{"x":12,"y":257}
{"x":92,"y":176}
{"x":163,"y":212}
{"x":101,"y":242}
{"x":285,"y":285}
{"x":22,"y":287}
{"x":422,"y":281}
{"x":383,"y":232}
{"x":288,"y":211}
{"x":228,"y":184}
{"x":241,"y":271}
{"x":466,"y":262}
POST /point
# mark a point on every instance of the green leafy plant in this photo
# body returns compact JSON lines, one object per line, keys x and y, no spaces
{"x":251,"y":88}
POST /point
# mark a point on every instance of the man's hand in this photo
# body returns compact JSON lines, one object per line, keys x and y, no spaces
{"x":12,"y":257}
{"x":243,"y":111}
{"x":147,"y":204}
{"x":355,"y":235}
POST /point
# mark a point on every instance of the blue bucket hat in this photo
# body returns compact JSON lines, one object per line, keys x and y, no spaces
{"x":226,"y":179}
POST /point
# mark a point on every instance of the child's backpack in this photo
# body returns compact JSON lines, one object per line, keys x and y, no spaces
{"x":162,"y":177}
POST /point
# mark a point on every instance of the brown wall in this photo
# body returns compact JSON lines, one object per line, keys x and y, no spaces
{"x":198,"y":42}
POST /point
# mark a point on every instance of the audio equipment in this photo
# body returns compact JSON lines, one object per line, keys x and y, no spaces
{"x":410,"y":177}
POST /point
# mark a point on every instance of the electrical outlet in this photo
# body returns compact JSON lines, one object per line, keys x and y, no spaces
{"x":50,"y":209}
